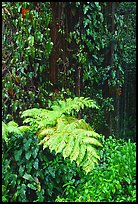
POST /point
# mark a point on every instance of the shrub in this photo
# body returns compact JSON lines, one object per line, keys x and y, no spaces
{"x":30,"y":173}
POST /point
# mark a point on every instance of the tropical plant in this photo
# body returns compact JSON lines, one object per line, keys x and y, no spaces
{"x":65,"y":134}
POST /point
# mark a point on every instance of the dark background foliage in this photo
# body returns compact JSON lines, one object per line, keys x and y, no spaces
{"x":74,"y":48}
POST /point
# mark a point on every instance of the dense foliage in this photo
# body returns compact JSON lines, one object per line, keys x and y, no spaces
{"x":99,"y":38}
{"x":30,"y":173}
{"x":56,"y":58}
{"x":26,"y":46}
{"x":114,"y":179}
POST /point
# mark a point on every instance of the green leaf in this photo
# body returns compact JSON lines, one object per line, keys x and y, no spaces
{"x":28,"y":155}
{"x":92,"y":141}
{"x":35,"y":164}
{"x":17,"y":155}
{"x":50,"y":169}
{"x":28,"y":177}
{"x":92,"y":151}
{"x":31,"y":40}
{"x":24,"y":128}
{"x":62,"y":144}
{"x":4,"y":132}
{"x":27,"y":144}
{"x":21,"y":170}
{"x":33,"y":187}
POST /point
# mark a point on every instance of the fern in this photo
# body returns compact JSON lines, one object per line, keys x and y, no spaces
{"x":65,"y":134}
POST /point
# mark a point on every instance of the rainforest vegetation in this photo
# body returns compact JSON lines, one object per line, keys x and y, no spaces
{"x":69,"y":101}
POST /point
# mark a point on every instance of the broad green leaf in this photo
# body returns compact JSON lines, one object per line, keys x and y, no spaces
{"x":21,"y":170}
{"x":35,"y":164}
{"x":33,"y":187}
{"x":28,"y":155}
{"x":27,"y":144}
{"x":28,"y":177}
{"x":50,"y":169}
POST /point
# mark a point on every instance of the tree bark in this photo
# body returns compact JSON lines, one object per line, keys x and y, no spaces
{"x":55,"y":39}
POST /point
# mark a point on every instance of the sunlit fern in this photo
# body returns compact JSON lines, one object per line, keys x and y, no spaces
{"x":65,"y":134}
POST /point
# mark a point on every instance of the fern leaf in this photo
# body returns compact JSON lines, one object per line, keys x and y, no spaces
{"x":88,"y":163}
{"x":12,"y":124}
{"x":75,"y":152}
{"x":45,"y":145}
{"x":12,"y":127}
{"x":81,"y":154}
{"x":92,"y":151}
{"x":89,"y":166}
{"x":53,"y":141}
{"x":84,"y":125}
{"x":44,"y":140}
{"x":69,"y":147}
{"x":24,"y":128}
{"x":46,"y":131}
{"x":92,"y":141}
{"x":62,"y":144}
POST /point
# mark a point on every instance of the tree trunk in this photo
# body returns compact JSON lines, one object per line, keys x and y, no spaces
{"x":55,"y":39}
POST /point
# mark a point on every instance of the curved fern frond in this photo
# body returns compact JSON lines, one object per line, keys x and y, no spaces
{"x":93,"y":141}
{"x":74,"y":104}
{"x":45,"y":132}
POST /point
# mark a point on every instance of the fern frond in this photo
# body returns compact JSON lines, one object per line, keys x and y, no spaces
{"x":82,"y":153}
{"x":74,"y":104}
{"x":24,"y":128}
{"x":75,"y":153}
{"x":69,"y":147}
{"x":62,"y":144}
{"x":45,"y":132}
{"x":93,"y":141}
{"x":91,"y":151}
{"x":59,"y":131}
